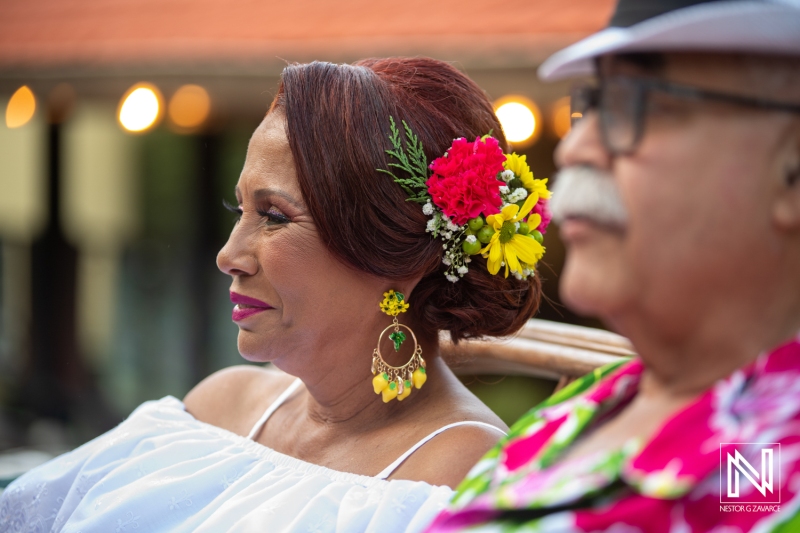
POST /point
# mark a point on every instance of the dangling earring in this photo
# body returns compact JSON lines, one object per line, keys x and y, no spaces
{"x":396,"y":381}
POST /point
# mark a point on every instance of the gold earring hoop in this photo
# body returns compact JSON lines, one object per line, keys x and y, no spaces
{"x":397,"y":381}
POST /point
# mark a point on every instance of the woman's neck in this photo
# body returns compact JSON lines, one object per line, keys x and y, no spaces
{"x":340,"y":387}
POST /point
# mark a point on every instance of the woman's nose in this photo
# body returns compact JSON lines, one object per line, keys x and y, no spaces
{"x":235,"y":258}
{"x":583,"y":145}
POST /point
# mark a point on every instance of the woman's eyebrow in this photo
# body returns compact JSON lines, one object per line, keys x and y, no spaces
{"x":261,"y":194}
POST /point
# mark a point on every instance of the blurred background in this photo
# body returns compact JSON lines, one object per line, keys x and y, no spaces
{"x":125,"y":125}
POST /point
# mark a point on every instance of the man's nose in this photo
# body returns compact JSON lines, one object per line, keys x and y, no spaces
{"x":583,"y":145}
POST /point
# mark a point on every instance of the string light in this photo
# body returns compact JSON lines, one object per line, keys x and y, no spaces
{"x":140,"y":108}
{"x":189,"y":107}
{"x":562,"y":120}
{"x":520,"y":119}
{"x":21,"y":107}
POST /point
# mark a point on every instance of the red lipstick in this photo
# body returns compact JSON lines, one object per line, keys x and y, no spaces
{"x":246,"y":306}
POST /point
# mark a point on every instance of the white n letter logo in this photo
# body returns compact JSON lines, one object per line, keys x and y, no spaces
{"x":739,"y":465}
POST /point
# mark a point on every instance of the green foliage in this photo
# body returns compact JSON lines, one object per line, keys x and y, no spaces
{"x":411,"y":160}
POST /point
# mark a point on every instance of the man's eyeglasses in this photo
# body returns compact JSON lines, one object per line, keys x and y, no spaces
{"x":622,"y":102}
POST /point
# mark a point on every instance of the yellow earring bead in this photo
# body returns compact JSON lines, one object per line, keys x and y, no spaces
{"x":419,"y":377}
{"x":389,"y":393}
{"x":406,"y":392}
{"x":380,"y":382}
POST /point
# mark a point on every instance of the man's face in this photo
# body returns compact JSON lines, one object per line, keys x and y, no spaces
{"x":697,"y":192}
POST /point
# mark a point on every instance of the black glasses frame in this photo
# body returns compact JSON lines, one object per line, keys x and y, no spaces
{"x":586,"y":97}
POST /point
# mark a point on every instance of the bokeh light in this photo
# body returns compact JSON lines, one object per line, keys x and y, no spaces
{"x":520,"y":119}
{"x":140,"y":108}
{"x":562,"y":121}
{"x":189,"y":106}
{"x":20,"y":108}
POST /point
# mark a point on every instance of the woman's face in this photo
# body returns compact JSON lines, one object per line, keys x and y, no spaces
{"x":294,"y":299}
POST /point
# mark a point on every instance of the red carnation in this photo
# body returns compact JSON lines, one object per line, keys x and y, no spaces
{"x":543,"y":210}
{"x":464,"y":183}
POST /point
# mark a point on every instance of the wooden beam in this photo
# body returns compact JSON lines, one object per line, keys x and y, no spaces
{"x":542,"y":349}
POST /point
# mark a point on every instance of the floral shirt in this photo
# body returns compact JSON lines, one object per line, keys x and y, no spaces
{"x":704,"y":470}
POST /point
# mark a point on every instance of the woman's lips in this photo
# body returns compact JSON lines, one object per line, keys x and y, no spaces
{"x":246,"y":306}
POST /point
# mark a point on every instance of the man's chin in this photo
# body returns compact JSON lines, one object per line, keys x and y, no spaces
{"x":593,"y":281}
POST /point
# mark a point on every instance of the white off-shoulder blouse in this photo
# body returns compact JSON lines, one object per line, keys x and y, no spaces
{"x":162,"y":470}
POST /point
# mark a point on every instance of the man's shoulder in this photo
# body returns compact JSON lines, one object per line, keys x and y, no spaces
{"x":233,"y":398}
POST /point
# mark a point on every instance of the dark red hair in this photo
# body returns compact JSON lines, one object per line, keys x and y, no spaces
{"x":337,"y":119}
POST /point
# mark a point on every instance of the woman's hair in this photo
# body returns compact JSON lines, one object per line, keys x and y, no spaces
{"x":337,"y":120}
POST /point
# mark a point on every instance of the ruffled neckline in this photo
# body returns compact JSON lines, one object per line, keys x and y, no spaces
{"x":282,"y":459}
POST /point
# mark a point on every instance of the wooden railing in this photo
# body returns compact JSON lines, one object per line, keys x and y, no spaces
{"x":542,"y":348}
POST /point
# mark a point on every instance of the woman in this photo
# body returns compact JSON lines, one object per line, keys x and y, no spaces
{"x":329,"y":256}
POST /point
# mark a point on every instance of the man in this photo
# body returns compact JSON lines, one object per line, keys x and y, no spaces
{"x":679,"y":202}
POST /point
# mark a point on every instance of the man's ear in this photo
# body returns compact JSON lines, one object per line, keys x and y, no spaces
{"x":786,"y":210}
{"x":793,"y":176}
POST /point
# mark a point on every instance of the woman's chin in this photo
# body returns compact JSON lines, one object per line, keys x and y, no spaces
{"x":253,"y":348}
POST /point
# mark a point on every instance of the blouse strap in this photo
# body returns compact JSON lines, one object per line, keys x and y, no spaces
{"x":273,"y":407}
{"x":392,"y":467}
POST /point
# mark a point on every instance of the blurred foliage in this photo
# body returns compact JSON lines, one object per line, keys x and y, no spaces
{"x":509,"y":397}
{"x":168,"y":166}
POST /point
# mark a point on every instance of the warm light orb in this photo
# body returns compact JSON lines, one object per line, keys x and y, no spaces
{"x":189,"y":106}
{"x":519,"y":117}
{"x":140,"y":108}
{"x":562,"y":119}
{"x":20,"y":108}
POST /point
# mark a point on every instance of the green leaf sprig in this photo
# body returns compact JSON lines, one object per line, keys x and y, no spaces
{"x":411,"y":160}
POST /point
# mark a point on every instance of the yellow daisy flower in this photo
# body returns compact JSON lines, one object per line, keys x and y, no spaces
{"x":518,"y":251}
{"x":517,"y":164}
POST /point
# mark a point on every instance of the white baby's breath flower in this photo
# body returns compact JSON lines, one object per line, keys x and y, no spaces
{"x":468,"y":260}
{"x":462,"y":270}
{"x":447,"y":235}
{"x":507,"y":175}
{"x":431,"y":226}
{"x":452,"y":226}
{"x":518,"y":275}
{"x":504,"y":189}
{"x":521,"y":193}
{"x":516,"y":226}
{"x":427,"y":209}
{"x":446,"y":261}
{"x":471,"y":239}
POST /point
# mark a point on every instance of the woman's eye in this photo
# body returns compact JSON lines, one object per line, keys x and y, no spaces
{"x":273,"y":216}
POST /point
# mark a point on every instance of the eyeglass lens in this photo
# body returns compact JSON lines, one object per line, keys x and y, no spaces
{"x":620,"y":105}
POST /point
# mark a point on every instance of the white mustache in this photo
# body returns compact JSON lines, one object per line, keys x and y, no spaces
{"x":586,"y":192}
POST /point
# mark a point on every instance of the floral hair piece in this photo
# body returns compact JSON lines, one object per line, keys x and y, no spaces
{"x":479,"y":200}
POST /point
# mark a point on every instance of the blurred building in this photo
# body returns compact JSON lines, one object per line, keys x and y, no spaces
{"x":110,"y":294}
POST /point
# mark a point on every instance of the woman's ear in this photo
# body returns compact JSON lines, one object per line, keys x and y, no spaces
{"x":406,"y":287}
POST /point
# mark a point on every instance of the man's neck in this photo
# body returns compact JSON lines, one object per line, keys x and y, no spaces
{"x":688,"y":364}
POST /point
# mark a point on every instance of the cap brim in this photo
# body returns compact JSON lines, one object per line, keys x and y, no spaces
{"x":737,"y":26}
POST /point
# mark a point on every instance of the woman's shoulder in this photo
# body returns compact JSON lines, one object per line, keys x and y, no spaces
{"x":473,"y":429}
{"x":235,"y":397}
